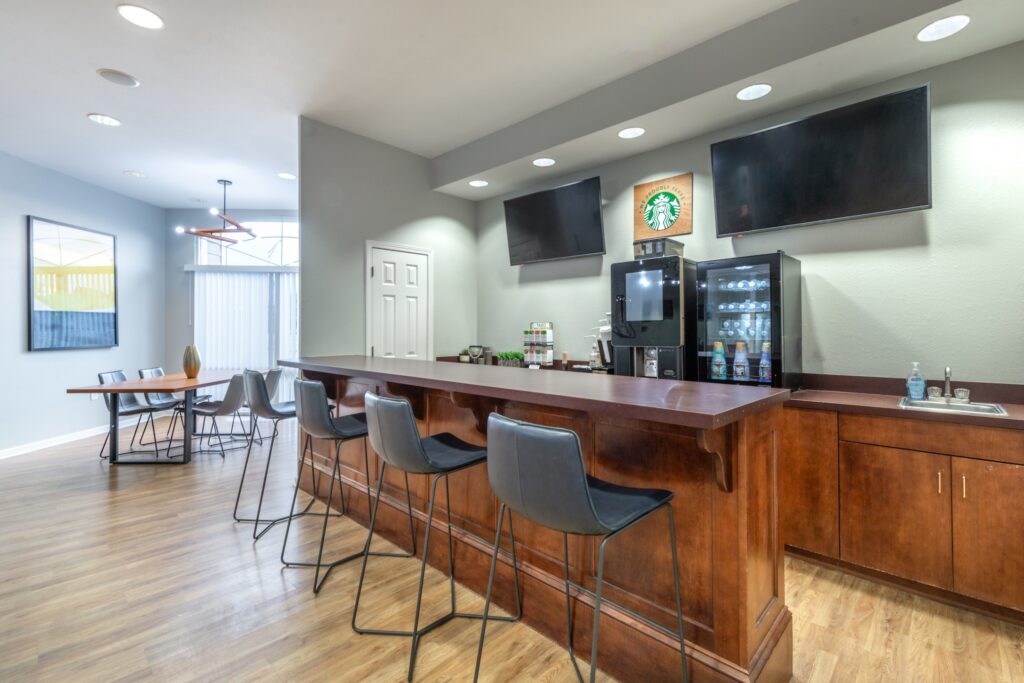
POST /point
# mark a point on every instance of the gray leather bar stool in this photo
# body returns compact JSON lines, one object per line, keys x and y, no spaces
{"x":261,"y":407}
{"x":395,"y":438}
{"x":538,"y":472}
{"x":314,"y":414}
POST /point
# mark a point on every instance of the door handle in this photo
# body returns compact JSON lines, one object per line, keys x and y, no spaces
{"x":940,"y":482}
{"x":963,"y":484}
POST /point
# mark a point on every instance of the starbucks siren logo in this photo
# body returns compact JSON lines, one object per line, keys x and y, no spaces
{"x":661,"y":211}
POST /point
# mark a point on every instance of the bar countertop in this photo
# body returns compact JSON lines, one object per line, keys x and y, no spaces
{"x":697,"y":405}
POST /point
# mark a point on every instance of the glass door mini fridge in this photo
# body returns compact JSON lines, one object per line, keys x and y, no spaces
{"x":748,"y":321}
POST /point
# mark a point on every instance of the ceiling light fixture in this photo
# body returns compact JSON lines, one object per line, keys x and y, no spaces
{"x":543,"y":162}
{"x":179,"y":229}
{"x":630,"y":133}
{"x":228,"y":224}
{"x":118,"y":77}
{"x":214,"y":211}
{"x":140,"y":16}
{"x":943,"y":28}
{"x":753,"y":92}
{"x":287,"y":176}
{"x":103,"y":119}
{"x":135,"y":174}
{"x":478,"y":183}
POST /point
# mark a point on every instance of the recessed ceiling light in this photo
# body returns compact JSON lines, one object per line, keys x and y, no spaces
{"x":943,"y":28}
{"x":630,"y":133}
{"x":214,"y":211}
{"x":135,"y":174}
{"x":753,"y":92}
{"x":140,"y":16}
{"x":478,"y":183}
{"x":104,"y":120}
{"x":179,"y":229}
{"x":118,"y":77}
{"x":287,"y":176}
{"x":543,"y":161}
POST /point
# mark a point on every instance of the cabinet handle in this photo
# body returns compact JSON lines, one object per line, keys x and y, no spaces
{"x":940,"y":482}
{"x":963,"y":484}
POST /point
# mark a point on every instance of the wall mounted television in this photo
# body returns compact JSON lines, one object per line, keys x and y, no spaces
{"x":864,"y":159}
{"x":555,"y":224}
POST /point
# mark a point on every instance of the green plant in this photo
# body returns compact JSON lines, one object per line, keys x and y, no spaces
{"x":464,"y":352}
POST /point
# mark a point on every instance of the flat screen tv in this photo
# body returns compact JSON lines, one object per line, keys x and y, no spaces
{"x":864,"y":159}
{"x":555,"y":224}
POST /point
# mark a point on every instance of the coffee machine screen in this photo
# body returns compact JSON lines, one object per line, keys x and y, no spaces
{"x":644,"y":296}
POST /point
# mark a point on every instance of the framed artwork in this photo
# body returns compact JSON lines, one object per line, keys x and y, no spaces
{"x":663,"y":208}
{"x":72,"y":287}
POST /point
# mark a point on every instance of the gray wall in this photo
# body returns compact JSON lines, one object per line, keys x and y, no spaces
{"x":34,"y":406}
{"x":354,"y":189}
{"x":941,"y":286}
{"x":180,"y":251}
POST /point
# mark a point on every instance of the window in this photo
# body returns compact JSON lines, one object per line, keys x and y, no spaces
{"x":246,"y":301}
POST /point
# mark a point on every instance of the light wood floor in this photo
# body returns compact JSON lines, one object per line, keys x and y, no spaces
{"x":139,"y":573}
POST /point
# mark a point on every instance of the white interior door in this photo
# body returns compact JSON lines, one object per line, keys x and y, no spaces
{"x":399,"y":303}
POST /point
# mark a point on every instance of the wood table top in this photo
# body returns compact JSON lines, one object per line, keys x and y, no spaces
{"x":174,"y":382}
{"x":691,"y":404}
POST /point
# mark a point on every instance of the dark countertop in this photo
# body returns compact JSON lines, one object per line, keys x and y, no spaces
{"x":885,"y":405}
{"x":688,"y":404}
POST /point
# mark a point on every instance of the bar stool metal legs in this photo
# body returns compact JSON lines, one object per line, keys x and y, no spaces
{"x":419,"y":631}
{"x":569,"y":585}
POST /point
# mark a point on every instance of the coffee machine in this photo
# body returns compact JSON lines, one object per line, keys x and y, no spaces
{"x":654,"y":309}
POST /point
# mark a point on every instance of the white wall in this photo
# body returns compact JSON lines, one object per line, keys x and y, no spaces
{"x":942,"y":286}
{"x":34,"y":405}
{"x":353,"y":189}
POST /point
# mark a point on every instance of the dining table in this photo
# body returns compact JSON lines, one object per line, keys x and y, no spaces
{"x":173,"y":383}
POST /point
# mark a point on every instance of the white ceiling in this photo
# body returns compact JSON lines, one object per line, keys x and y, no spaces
{"x":224,"y":82}
{"x":874,"y":58}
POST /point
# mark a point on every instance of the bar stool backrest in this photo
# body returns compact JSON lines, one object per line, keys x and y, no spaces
{"x":257,"y":396}
{"x":393,"y":434}
{"x":273,"y":379}
{"x":312,"y":409}
{"x":234,"y":397}
{"x":124,"y":401}
{"x":159,"y":396}
{"x":538,"y":472}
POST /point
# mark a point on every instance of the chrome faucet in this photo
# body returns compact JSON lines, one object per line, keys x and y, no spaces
{"x":947,"y":392}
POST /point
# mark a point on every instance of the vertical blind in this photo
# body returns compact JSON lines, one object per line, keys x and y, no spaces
{"x":247,"y":320}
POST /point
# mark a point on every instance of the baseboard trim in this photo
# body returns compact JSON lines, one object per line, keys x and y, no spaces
{"x":33,"y":446}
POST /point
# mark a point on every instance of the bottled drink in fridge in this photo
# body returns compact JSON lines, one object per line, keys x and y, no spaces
{"x":764,"y":368}
{"x":718,"y":367}
{"x":740,"y":364}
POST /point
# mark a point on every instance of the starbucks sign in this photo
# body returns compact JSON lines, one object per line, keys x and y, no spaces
{"x":663,"y":208}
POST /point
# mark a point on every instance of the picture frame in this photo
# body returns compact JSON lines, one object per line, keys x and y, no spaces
{"x":72,"y":287}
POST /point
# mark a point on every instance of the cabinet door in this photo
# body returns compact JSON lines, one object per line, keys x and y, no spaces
{"x":810,"y":480}
{"x":988,"y":531}
{"x":895,"y":511}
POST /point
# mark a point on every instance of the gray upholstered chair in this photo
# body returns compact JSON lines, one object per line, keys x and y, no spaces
{"x":128,"y":405}
{"x":261,"y":406}
{"x":234,"y":397}
{"x":537,"y":472}
{"x":314,"y":415}
{"x":395,"y":438}
{"x":164,"y":400}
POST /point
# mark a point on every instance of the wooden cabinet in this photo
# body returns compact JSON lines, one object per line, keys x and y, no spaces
{"x":895,"y":507}
{"x":988,"y":531}
{"x":810,"y":481}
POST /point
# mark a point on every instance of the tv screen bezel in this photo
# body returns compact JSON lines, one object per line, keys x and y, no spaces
{"x":928,"y":140}
{"x":604,"y":242}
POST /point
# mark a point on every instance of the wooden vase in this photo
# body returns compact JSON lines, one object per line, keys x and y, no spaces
{"x":190,"y":362}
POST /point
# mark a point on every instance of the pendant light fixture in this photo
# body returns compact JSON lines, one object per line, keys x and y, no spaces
{"x":229,"y":226}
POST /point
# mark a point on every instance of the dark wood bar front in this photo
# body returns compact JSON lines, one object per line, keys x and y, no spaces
{"x":715,"y":446}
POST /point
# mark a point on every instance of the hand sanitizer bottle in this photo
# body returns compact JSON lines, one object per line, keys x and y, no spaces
{"x":915,"y":383}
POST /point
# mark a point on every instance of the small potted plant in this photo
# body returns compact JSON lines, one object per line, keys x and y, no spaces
{"x":464,"y":356}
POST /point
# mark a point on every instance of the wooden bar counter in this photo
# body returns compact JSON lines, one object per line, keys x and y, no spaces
{"x":715,"y":446}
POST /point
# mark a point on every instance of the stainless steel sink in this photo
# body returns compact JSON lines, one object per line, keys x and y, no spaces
{"x":945,"y":405}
